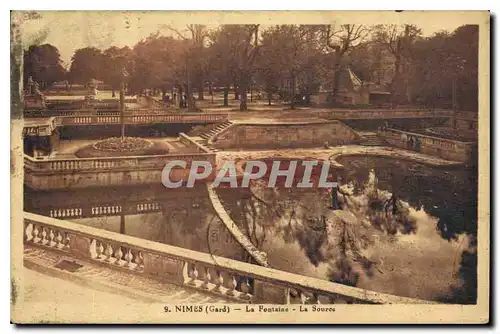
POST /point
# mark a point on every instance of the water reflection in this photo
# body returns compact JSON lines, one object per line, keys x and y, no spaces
{"x":412,"y":230}
{"x":412,"y":224}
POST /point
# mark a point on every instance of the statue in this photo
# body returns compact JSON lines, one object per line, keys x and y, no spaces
{"x":31,"y":83}
{"x":37,"y":89}
{"x":92,"y":87}
{"x":34,"y":99}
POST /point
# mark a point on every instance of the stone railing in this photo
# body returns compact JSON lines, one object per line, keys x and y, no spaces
{"x":444,"y":148}
{"x":469,"y":115}
{"x":131,"y":163}
{"x":95,"y":112}
{"x":259,"y":256}
{"x":110,"y":171}
{"x":387,"y":113}
{"x":144,"y":118}
{"x":43,"y":128}
{"x":238,"y":281}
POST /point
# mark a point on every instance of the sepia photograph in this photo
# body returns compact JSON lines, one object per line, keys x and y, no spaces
{"x":250,"y":167}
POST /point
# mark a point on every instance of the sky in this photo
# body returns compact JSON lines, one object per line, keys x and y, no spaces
{"x":71,"y":30}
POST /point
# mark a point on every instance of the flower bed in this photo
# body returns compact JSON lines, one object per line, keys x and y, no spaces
{"x":116,"y":147}
{"x":126,"y":144}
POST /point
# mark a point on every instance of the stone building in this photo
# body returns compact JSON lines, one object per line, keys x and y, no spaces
{"x":352,"y":91}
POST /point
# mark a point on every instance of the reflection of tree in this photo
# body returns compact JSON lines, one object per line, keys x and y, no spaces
{"x":255,"y":210}
{"x":467,"y":292}
{"x":450,"y":196}
{"x":377,"y":203}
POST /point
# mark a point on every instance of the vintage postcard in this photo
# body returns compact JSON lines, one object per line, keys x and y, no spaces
{"x":250,"y":167}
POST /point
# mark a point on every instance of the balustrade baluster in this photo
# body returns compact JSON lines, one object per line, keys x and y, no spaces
{"x":193,"y":274}
{"x":303,"y":298}
{"x":245,"y":289}
{"x":128,"y":258}
{"x":66,"y":241}
{"x":58,"y":240}
{"x":316,"y":298}
{"x":99,"y":249}
{"x":217,"y":280}
{"x":138,"y":260}
{"x":109,"y":253}
{"x":44,"y":235}
{"x":36,"y":232}
{"x":118,"y":255}
{"x":206,"y":278}
{"x":51,"y":236}
{"x":231,"y":286}
{"x":28,"y":232}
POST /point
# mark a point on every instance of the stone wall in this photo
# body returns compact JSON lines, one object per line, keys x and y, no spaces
{"x":284,"y":134}
{"x":98,"y":172}
{"x":444,"y":148}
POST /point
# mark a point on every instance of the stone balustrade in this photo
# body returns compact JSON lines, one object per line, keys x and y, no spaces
{"x":95,"y":111}
{"x":387,"y":113}
{"x":40,"y":126}
{"x":469,"y":115}
{"x":85,"y":172}
{"x":142,"y":119}
{"x":238,"y":281}
{"x":441,"y":147}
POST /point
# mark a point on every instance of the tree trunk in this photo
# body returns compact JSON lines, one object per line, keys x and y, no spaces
{"x":226,"y":96}
{"x":243,"y":98}
{"x":292,"y":98}
{"x":190,"y":98}
{"x":397,"y":70}
{"x":336,"y":77}
{"x":200,"y":92}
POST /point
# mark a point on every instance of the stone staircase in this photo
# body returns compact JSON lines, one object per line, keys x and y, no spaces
{"x":204,"y":137}
{"x":371,"y":139}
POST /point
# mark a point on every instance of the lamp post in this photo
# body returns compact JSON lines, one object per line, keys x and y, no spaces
{"x":122,"y":103}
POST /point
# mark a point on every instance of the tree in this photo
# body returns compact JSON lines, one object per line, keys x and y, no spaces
{"x":222,"y":66}
{"x":238,"y":46}
{"x":268,"y":76}
{"x":399,"y":41}
{"x":115,"y":60}
{"x":43,"y":63}
{"x":338,"y":41}
{"x":86,"y":64}
{"x":157,"y":63}
{"x":292,"y":51}
{"x":445,"y":66}
{"x":194,"y":37}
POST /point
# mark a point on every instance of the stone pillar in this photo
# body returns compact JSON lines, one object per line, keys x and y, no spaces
{"x":122,"y":222}
{"x":54,"y":141}
{"x":268,"y":293}
{"x":163,"y":267}
{"x":79,"y":246}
